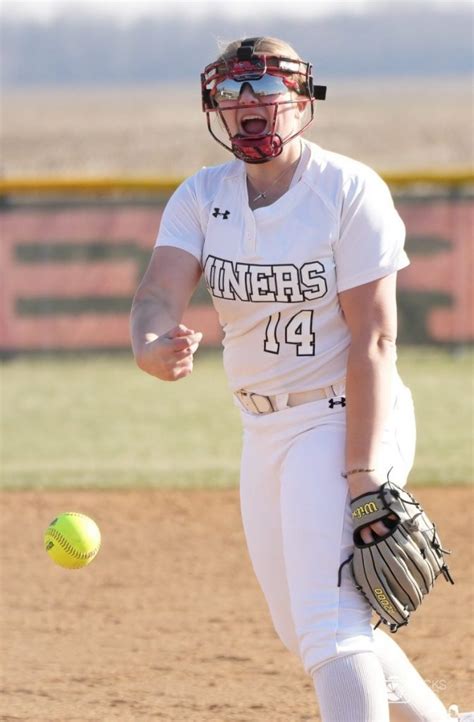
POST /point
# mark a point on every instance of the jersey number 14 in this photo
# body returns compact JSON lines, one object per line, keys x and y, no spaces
{"x":298,"y":331}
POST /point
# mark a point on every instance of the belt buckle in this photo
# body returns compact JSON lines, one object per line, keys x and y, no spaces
{"x":255,"y":403}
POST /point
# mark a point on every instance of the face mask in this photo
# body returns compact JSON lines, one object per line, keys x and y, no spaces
{"x":268,"y":77}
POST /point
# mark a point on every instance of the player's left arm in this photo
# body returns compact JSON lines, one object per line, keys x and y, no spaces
{"x":370,"y":312}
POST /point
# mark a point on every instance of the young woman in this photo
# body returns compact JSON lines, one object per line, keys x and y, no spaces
{"x":300,"y":248}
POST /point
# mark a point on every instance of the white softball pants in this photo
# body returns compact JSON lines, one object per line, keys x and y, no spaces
{"x":296,"y":515}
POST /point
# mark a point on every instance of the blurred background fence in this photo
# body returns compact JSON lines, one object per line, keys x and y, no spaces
{"x":74,"y":250}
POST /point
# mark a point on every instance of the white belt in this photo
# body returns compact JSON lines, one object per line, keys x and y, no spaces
{"x":259,"y":404}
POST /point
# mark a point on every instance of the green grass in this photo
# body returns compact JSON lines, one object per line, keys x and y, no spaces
{"x":100,"y":422}
{"x":442,"y":385}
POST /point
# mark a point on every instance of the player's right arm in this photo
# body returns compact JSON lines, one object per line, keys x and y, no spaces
{"x":162,"y":345}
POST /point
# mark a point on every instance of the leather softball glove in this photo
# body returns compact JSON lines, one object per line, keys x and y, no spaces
{"x":396,"y":571}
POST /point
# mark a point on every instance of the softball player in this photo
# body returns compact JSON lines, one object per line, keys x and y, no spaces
{"x":299,"y":248}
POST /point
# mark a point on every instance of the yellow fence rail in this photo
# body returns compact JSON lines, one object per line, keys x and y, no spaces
{"x":106,"y":185}
{"x":87,"y":185}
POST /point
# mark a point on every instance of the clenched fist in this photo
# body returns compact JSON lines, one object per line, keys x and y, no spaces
{"x":169,"y":357}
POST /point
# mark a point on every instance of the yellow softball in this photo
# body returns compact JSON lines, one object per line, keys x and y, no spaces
{"x":72,"y":540}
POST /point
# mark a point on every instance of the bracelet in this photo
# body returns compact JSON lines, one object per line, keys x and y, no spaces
{"x":356,"y":471}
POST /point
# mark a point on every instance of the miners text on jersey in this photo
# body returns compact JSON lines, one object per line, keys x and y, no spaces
{"x":260,"y":283}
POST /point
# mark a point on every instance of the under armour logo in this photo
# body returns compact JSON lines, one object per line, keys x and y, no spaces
{"x":333,"y":403}
{"x":217,"y":212}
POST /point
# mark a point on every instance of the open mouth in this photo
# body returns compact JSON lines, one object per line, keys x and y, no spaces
{"x":253,"y":125}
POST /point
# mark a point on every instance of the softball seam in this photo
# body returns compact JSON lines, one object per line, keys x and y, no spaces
{"x":68,"y":548}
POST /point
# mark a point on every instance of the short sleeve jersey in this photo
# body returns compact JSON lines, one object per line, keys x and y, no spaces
{"x":274,"y":273}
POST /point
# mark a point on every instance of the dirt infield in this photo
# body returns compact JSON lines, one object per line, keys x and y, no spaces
{"x":168,"y":622}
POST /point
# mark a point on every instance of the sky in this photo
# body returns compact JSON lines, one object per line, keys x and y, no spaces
{"x":129,"y":9}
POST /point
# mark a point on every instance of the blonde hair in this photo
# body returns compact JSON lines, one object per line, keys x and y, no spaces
{"x":265,"y":45}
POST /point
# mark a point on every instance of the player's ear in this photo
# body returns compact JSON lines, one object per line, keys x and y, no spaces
{"x":299,"y":106}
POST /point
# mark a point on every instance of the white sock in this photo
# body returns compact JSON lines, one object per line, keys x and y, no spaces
{"x":352,"y":689}
{"x":418,"y":702}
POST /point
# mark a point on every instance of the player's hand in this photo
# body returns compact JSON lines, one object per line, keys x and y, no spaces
{"x":362,"y":484}
{"x":169,"y":357}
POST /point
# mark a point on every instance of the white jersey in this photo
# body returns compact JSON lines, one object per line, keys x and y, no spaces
{"x":274,"y":273}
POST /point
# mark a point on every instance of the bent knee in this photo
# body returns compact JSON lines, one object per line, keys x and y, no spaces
{"x":318,"y":646}
{"x":287,"y":635}
{"x":317,"y":650}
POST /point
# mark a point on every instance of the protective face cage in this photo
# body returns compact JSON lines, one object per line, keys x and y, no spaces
{"x":267,"y":76}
